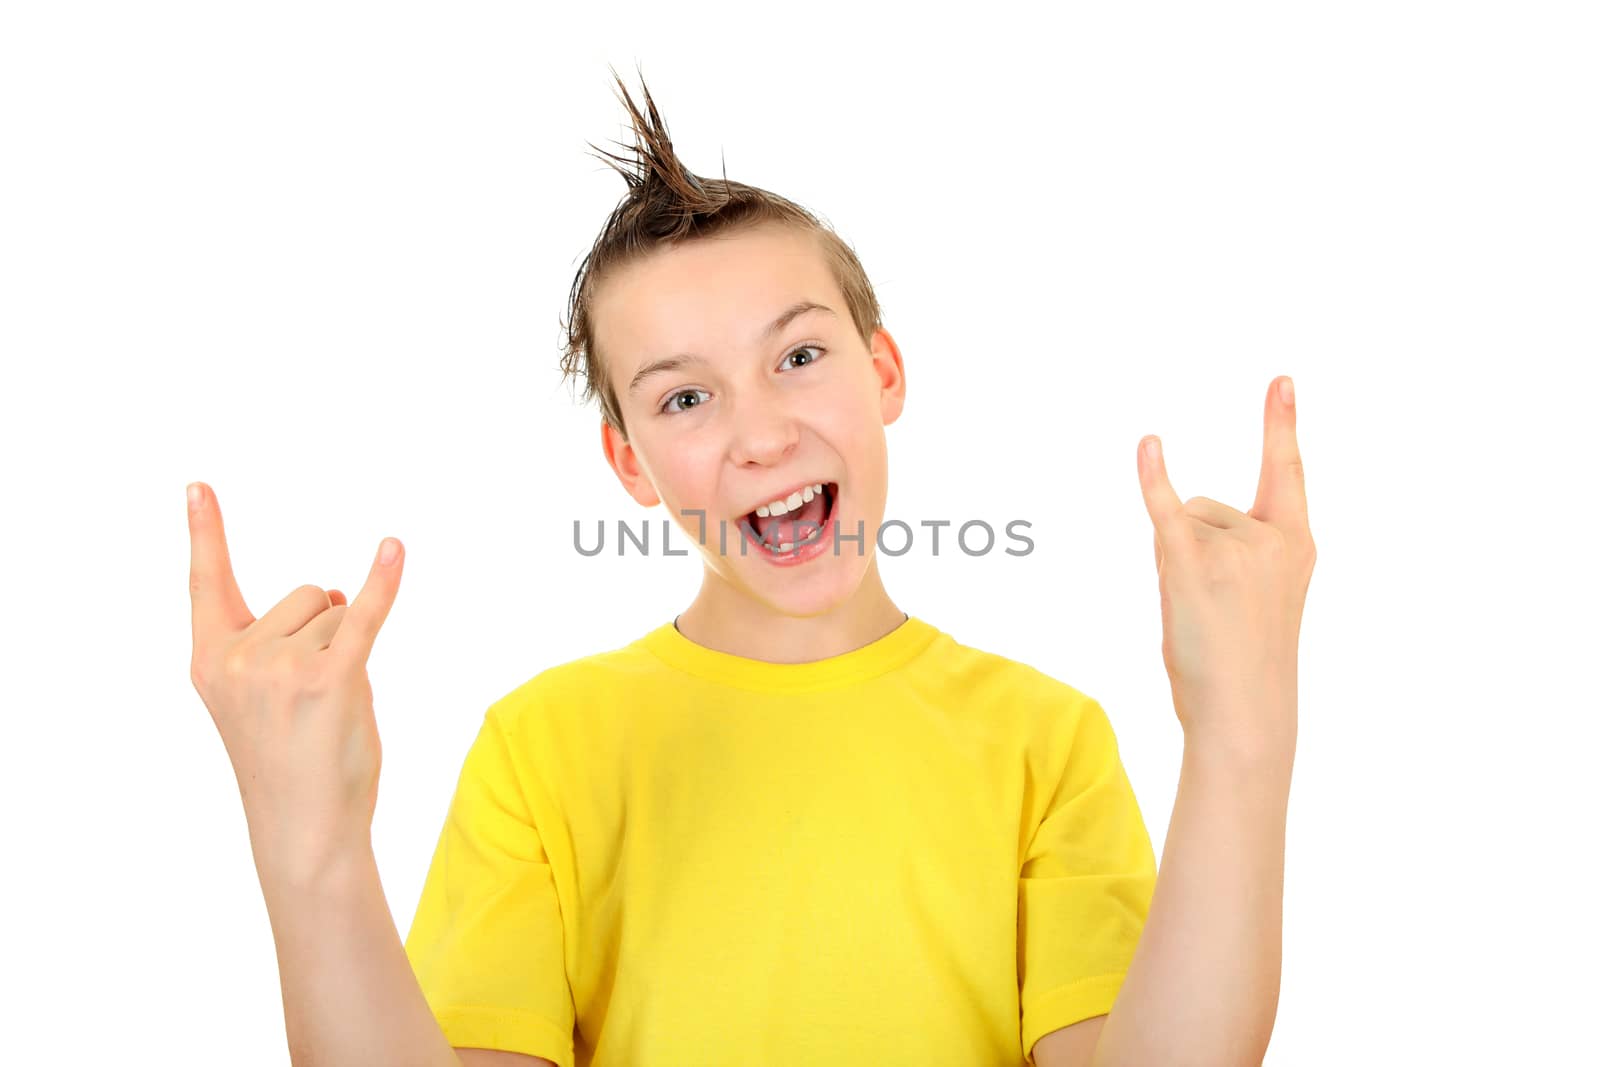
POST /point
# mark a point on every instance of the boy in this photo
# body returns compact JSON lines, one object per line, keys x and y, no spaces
{"x":795,"y":824}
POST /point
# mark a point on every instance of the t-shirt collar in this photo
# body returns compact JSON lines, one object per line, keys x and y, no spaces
{"x":878,"y":657}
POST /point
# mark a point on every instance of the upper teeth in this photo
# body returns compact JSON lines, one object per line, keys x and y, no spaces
{"x":783,"y":507}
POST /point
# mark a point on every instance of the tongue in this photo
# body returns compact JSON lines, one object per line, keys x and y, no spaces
{"x":783,"y":527}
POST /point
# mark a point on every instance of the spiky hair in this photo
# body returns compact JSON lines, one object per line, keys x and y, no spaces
{"x":667,"y":203}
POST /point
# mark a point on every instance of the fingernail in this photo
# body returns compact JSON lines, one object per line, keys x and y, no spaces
{"x":389,"y":550}
{"x":194,"y":495}
{"x":1152,"y":449}
{"x":1286,"y":390}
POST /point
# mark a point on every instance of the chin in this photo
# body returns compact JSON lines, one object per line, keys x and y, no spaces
{"x":817,"y":588}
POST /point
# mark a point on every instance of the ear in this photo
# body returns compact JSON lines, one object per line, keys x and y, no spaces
{"x":890,"y":370}
{"x":625,"y":461}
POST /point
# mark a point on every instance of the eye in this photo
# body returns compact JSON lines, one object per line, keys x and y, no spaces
{"x":672,"y":405}
{"x":820,"y":351}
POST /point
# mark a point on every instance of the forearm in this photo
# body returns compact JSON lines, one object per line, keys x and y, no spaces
{"x":1202,"y":987}
{"x":350,"y":997}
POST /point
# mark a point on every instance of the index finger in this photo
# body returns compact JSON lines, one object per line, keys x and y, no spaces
{"x":1281,"y":492}
{"x":366,"y":614}
{"x":214,"y":599}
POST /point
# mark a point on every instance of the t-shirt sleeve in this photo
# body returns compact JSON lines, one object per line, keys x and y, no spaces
{"x":486,"y":943}
{"x":1086,"y":882}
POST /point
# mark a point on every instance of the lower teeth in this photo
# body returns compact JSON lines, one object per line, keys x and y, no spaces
{"x":788,"y":546}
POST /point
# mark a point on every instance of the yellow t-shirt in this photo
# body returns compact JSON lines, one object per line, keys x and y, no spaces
{"x":913,"y":852}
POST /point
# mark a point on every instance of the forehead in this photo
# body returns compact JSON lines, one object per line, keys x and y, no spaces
{"x":708,"y":294}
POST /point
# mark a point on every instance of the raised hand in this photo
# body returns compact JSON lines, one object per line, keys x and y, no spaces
{"x":289,"y":694}
{"x":1233,"y":589}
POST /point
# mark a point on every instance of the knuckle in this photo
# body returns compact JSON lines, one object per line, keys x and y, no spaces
{"x":1234,"y":558}
{"x":282,"y":669}
{"x":1272,"y":539}
{"x":293,"y":671}
{"x":1218,"y":571}
{"x":236,"y":662}
{"x":316,"y":680}
{"x":1219,"y":565}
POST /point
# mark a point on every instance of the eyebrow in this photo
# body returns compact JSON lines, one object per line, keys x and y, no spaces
{"x":661,"y":366}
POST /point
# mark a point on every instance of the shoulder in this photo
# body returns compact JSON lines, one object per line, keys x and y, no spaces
{"x":988,"y":677}
{"x":605,"y":679}
{"x":1052,"y":724}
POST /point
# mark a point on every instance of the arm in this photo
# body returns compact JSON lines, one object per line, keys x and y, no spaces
{"x":1202,"y":986}
{"x":349,"y":994}
{"x":483,"y":1057}
{"x":1070,"y":1046}
{"x":290,"y":697}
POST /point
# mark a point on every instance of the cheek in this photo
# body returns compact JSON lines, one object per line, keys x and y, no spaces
{"x":854,"y":426}
{"x":690,"y":476}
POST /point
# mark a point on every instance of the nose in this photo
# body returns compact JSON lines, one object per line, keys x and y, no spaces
{"x":765,"y":432}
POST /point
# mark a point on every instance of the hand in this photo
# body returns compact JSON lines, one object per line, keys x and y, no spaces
{"x":1233,"y":588}
{"x":289,"y":694}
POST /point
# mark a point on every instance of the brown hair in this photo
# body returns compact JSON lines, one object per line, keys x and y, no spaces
{"x":665,"y":204}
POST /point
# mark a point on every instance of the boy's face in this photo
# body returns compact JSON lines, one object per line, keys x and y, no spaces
{"x":747,"y":416}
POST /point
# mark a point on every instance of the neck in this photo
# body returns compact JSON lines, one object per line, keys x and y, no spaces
{"x":726,"y":619}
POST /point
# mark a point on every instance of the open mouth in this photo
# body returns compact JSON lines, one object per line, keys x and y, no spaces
{"x":803,"y":519}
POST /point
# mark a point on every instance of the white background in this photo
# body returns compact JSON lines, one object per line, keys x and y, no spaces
{"x":315,"y":255}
